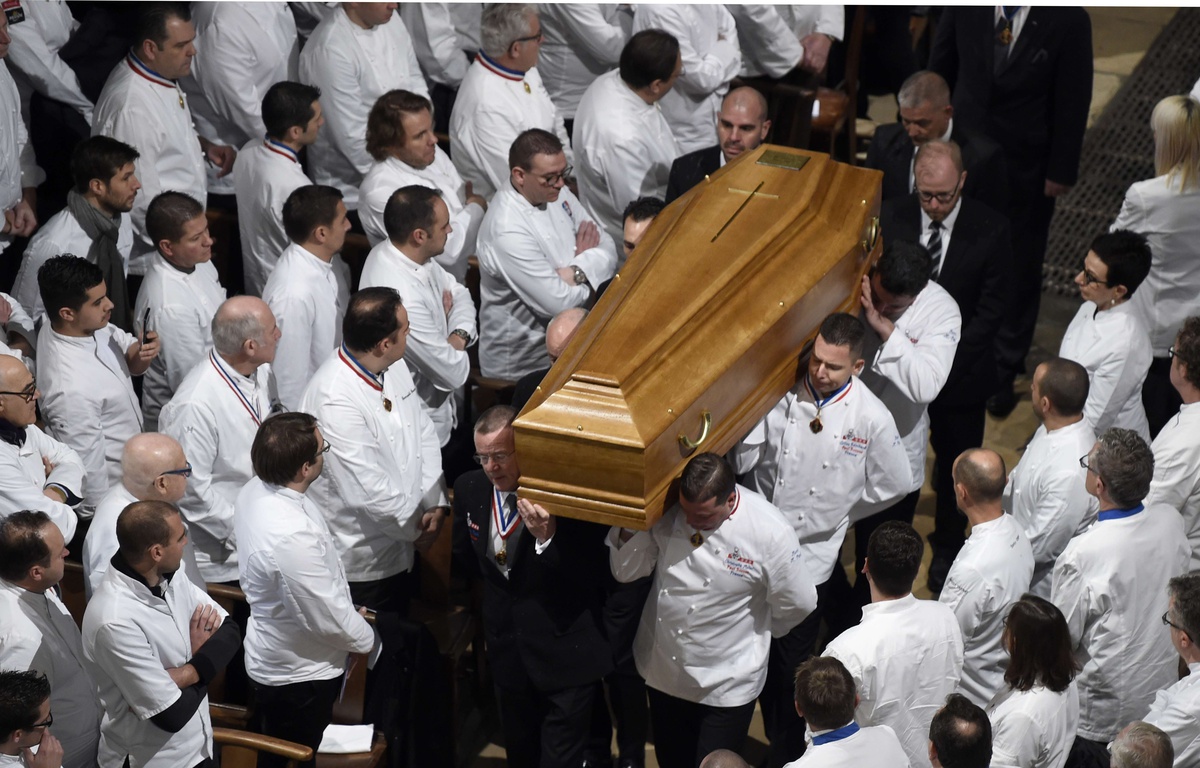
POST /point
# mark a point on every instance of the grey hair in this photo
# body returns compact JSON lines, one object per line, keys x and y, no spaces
{"x":1142,"y":745}
{"x":924,"y":86}
{"x":1125,"y":463}
{"x":230,"y":333}
{"x":1186,"y":592}
{"x":502,"y":24}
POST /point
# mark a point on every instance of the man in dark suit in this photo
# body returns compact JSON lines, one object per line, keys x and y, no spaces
{"x":543,"y":592}
{"x":969,"y":245}
{"x":925,"y":115}
{"x":742,"y":125}
{"x":1023,"y":76}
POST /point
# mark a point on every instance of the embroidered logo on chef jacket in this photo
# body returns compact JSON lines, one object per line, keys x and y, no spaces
{"x":854,"y":446}
{"x":473,"y":529}
{"x":14,"y":11}
{"x":741,"y":566}
{"x":567,"y":207}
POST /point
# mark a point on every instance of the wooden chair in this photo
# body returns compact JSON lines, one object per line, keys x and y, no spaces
{"x":839,"y":105}
{"x":72,"y":592}
{"x":240,"y":749}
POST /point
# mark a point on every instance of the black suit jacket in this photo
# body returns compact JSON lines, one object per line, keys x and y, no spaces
{"x":689,"y":170}
{"x":543,"y":623}
{"x":976,"y":271}
{"x":891,"y":151}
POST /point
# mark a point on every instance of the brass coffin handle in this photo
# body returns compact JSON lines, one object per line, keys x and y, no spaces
{"x":871,"y":235}
{"x":690,"y":445}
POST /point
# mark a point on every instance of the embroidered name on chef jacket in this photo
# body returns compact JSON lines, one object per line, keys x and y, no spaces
{"x":854,"y":446}
{"x":741,"y":566}
{"x":567,"y":207}
{"x":473,"y":529}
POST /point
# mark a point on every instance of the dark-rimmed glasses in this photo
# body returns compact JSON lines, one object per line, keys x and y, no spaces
{"x":325,"y":447}
{"x":484,"y":458}
{"x":28,"y":394}
{"x":49,"y":721}
{"x":1083,"y":462}
{"x":553,"y":178}
{"x":945,"y":198}
{"x":184,"y":472}
{"x":1166,"y":620}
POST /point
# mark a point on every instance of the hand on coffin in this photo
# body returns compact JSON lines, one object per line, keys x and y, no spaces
{"x":537,"y":520}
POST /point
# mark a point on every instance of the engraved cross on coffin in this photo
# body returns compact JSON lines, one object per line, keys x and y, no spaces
{"x":699,"y":334}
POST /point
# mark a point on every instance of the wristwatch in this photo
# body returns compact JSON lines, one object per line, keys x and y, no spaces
{"x":580,"y":277}
{"x":459,"y":332}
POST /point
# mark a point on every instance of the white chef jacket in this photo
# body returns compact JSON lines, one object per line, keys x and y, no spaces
{"x":520,"y":247}
{"x":431,"y":26}
{"x":1111,"y":585}
{"x":1046,"y":495}
{"x":905,"y":657}
{"x":1176,"y":480}
{"x":437,"y":368}
{"x":302,"y":618}
{"x":216,"y":423}
{"x":494,"y":105}
{"x":624,"y":148}
{"x":770,"y":35}
{"x":1176,"y":710}
{"x":353,"y":67}
{"x":1171,"y":292}
{"x":855,"y":463}
{"x":384,"y":470}
{"x":101,"y":543}
{"x":1114,"y":347}
{"x":266,"y":174}
{"x":581,"y":42}
{"x":23,"y":478}
{"x":909,"y":371}
{"x":18,"y":168}
{"x":34,"y":55}
{"x":875,"y":746}
{"x":385,"y":177}
{"x":309,"y":298}
{"x":1034,"y":728}
{"x":130,"y":639}
{"x":61,"y":234}
{"x":467,"y":19}
{"x":88,"y":401}
{"x":706,"y":628}
{"x":182,"y":306}
{"x":708,"y":44}
{"x":989,"y":574}
{"x":38,"y":633}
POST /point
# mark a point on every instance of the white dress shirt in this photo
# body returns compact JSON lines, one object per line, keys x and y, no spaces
{"x":494,"y":105}
{"x":353,"y":67}
{"x":520,"y":247}
{"x":437,"y":368}
{"x":708,"y":45}
{"x":855,"y":463}
{"x":581,"y":42}
{"x":308,"y":297}
{"x":150,"y":113}
{"x":1176,"y":710}
{"x":1176,"y":480}
{"x":266,"y":174}
{"x":130,"y":639}
{"x":182,"y":306}
{"x":18,"y":168}
{"x":1111,"y":585}
{"x":905,"y":657}
{"x":88,"y":401}
{"x":385,"y":177}
{"x":431,"y":26}
{"x":23,"y":478}
{"x":38,"y":633}
{"x":1114,"y":347}
{"x":989,"y":574}
{"x":214,"y":415}
{"x":624,"y":148}
{"x":875,"y":746}
{"x":384,"y":470}
{"x":34,"y":55}
{"x":1046,"y":495}
{"x":1034,"y":728}
{"x":706,"y":628}
{"x":302,"y":618}
{"x":910,"y":369}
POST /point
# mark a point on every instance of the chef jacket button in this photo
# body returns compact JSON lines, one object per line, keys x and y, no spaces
{"x":812,"y":491}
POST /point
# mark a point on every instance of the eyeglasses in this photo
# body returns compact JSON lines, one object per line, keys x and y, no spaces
{"x":1168,"y":623}
{"x":1090,"y":279}
{"x":1083,"y":462}
{"x":484,"y":458}
{"x":185,"y":472}
{"x":1170,"y":351}
{"x":553,"y":178}
{"x":325,"y":446}
{"x":529,"y":39}
{"x":28,"y":394}
{"x":945,"y":198}
{"x":49,"y":721}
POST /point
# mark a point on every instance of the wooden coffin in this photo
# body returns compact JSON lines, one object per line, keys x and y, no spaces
{"x":699,"y":335}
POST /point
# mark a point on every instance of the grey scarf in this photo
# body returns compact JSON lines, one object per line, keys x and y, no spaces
{"x":102,"y":230}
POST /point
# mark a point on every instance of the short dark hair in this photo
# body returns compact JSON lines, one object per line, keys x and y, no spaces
{"x":1065,"y":384}
{"x":99,"y":157}
{"x":643,"y":209}
{"x":288,"y":105}
{"x":1187,"y":349}
{"x":893,"y":557}
{"x":648,"y":56}
{"x":22,"y":694}
{"x":370,"y":318}
{"x":143,"y":524}
{"x":1124,"y":461}
{"x":903,"y":268}
{"x":385,"y":126}
{"x":1039,"y":645}
{"x":64,"y":282}
{"x":21,"y":543}
{"x":153,"y":19}
{"x":167,"y":213}
{"x":494,"y":419}
{"x":962,"y":734}
{"x":707,"y":476}
{"x":309,"y":207}
{"x":983,"y":482}
{"x":1186,"y":591}
{"x":1127,"y":256}
{"x":282,"y":446}
{"x":530,"y":143}
{"x":409,"y":209}
{"x":844,"y":330}
{"x":825,"y":690}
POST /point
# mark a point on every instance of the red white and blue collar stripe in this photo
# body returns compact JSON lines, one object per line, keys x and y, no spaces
{"x":505,"y":525}
{"x":490,"y":64}
{"x":371,"y":380}
{"x":246,"y":402}
{"x":280,"y":148}
{"x":140,"y":68}
{"x":1118,"y":514}
{"x":836,"y":397}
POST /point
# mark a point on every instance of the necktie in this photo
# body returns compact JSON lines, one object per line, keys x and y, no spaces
{"x":935,"y":249}
{"x":1003,"y":38}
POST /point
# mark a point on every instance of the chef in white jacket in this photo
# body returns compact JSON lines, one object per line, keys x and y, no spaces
{"x":581,"y":41}
{"x":1046,"y":491}
{"x":775,"y":39}
{"x":19,"y":172}
{"x":34,"y":56}
{"x":1111,"y":585}
{"x":1175,"y":709}
{"x":431,"y":26}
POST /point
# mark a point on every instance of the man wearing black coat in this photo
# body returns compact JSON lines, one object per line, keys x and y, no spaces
{"x":742,"y":125}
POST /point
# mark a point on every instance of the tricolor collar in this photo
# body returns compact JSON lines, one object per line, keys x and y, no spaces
{"x":490,"y":64}
{"x":140,"y":68}
{"x":372,"y":381}
{"x":846,"y":731}
{"x":1118,"y":514}
{"x":227,"y":377}
{"x":279,"y":148}
{"x":834,"y":397}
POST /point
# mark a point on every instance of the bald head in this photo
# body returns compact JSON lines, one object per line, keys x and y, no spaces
{"x":982,"y":474}
{"x":937,"y":154}
{"x":742,"y":123}
{"x":240,"y":320}
{"x":15,"y":377}
{"x":561,"y":329}
{"x":12,"y":372}
{"x":723,"y":758}
{"x":144,"y":460}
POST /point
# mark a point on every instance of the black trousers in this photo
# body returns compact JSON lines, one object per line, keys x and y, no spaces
{"x":953,"y":429}
{"x":684,"y":731}
{"x":1086,"y":753}
{"x":1159,"y":397}
{"x":390,"y":594}
{"x":1029,"y":215}
{"x":296,"y":712}
{"x":545,"y":729}
{"x":625,"y":687}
